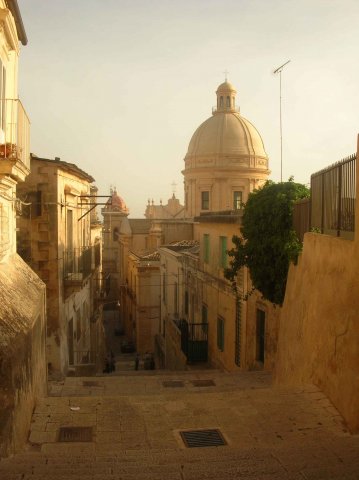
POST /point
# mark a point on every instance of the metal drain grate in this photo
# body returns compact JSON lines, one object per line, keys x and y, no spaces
{"x":203,"y":438}
{"x":91,"y":383}
{"x":203,"y":383}
{"x":173,"y":383}
{"x":75,"y":434}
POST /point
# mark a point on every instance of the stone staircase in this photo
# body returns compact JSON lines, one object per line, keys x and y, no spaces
{"x":135,"y":424}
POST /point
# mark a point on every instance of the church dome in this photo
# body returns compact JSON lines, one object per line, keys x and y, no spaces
{"x":116,"y":203}
{"x":226,"y":133}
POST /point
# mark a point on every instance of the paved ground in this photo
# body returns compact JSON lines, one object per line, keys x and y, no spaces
{"x":271,"y":433}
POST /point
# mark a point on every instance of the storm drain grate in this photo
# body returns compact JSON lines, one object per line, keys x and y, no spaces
{"x":91,"y":383}
{"x":173,"y":383}
{"x":203,"y":383}
{"x":75,"y":434}
{"x":203,"y":438}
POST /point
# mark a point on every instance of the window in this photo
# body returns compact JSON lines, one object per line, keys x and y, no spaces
{"x":261,"y":318}
{"x":164,"y":287}
{"x":228,"y":102}
{"x":206,"y":248}
{"x":221,"y":102}
{"x":237,"y":200}
{"x":223,"y":252}
{"x":204,"y":317}
{"x":233,"y":102}
{"x":186,"y":303}
{"x":175,"y":298}
{"x":205,"y":200}
{"x":220,"y":333}
{"x":116,"y":234}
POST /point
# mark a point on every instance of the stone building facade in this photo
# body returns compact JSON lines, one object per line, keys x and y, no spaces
{"x":61,"y":243}
{"x":225,"y":161}
{"x":22,"y":293}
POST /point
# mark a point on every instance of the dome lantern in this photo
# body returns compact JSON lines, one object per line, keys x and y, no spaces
{"x":226,"y":98}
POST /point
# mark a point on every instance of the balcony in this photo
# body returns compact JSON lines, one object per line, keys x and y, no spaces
{"x":79,"y":264}
{"x":14,"y":139}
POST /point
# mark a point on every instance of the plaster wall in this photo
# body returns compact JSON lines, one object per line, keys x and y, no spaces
{"x":175,"y":358}
{"x":251,"y":354}
{"x":22,"y":352}
{"x":319,"y":333}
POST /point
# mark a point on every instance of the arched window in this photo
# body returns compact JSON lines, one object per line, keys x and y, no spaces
{"x":221,"y":102}
{"x":116,"y":234}
{"x":228,"y":102}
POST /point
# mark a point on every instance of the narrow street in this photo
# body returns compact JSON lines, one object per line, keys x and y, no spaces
{"x":130,"y":428}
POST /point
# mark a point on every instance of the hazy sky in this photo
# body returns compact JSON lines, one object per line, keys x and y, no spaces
{"x":119,"y":86}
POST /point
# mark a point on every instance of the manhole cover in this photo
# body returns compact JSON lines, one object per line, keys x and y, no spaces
{"x":203,"y":438}
{"x":203,"y":383}
{"x":172,"y":383}
{"x":91,"y":383}
{"x":75,"y":434}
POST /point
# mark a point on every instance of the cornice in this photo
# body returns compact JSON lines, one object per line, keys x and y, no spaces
{"x":7,"y":25}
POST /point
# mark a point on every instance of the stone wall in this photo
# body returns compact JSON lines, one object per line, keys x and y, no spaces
{"x":175,"y":358}
{"x":319,"y":330}
{"x":22,"y":351}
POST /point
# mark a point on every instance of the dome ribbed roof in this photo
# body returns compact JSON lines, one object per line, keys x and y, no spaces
{"x":116,"y":203}
{"x":226,"y":134}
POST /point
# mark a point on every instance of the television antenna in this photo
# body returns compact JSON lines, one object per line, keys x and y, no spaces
{"x":279,"y":70}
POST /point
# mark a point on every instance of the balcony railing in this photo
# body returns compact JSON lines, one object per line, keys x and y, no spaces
{"x":331,"y":207}
{"x":14,"y":131}
{"x":78,"y":263}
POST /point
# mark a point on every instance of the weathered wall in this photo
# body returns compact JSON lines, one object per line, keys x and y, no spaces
{"x":22,"y":351}
{"x":319,"y":330}
{"x":272,"y":316}
{"x":175,"y":358}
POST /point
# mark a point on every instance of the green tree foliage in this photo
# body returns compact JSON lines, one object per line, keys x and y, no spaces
{"x":268,"y":243}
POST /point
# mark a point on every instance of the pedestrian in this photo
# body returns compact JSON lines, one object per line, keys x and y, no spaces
{"x":137,"y":361}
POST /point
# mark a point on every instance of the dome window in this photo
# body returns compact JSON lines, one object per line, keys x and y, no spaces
{"x":237,"y":200}
{"x":221,"y":102}
{"x":228,"y":102}
{"x":205,"y":200}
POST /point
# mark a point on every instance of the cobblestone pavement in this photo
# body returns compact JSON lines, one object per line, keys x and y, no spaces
{"x":136,"y":419}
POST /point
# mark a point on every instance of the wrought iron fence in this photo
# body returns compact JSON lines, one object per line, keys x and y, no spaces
{"x":194,"y":340}
{"x":78,"y":263}
{"x":14,"y":131}
{"x":331,"y":206}
{"x":333,"y":194}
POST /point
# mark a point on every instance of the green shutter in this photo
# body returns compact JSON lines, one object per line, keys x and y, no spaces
{"x":223,"y":252}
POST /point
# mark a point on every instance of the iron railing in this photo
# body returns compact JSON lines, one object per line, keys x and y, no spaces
{"x":331,"y":206}
{"x":333,"y":195}
{"x":194,"y":340}
{"x":14,"y":131}
{"x":78,"y":263}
